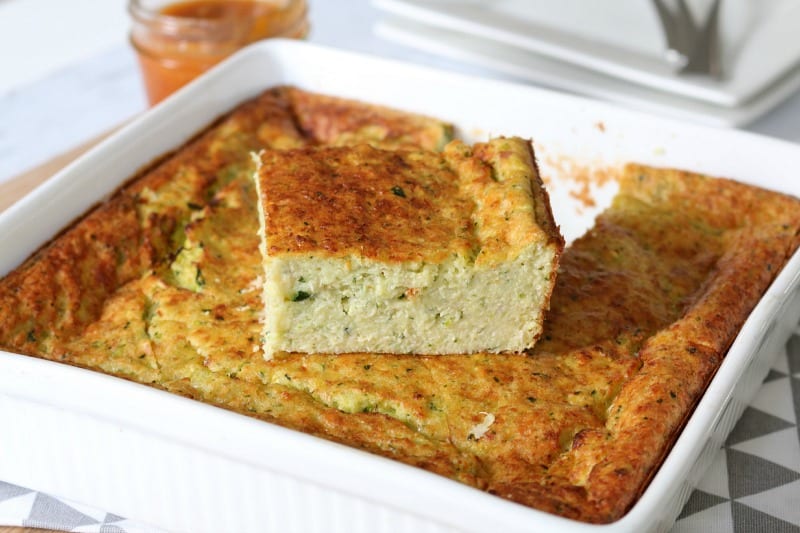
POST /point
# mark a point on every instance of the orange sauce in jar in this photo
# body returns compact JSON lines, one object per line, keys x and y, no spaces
{"x":175,"y":42}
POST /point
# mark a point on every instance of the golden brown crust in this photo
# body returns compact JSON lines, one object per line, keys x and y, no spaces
{"x":721,"y":252}
{"x":366,"y":202}
{"x":337,"y":121}
{"x":645,"y":306}
{"x":542,"y":211}
{"x":512,"y":207}
{"x":486,"y":203}
{"x":62,"y":289}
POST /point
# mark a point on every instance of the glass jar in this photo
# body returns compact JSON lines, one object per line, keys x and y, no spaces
{"x":177,"y":40}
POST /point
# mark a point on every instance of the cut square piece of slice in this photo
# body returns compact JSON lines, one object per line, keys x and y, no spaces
{"x":370,"y":250}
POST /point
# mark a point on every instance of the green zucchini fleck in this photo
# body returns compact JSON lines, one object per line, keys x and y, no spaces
{"x":299,"y":296}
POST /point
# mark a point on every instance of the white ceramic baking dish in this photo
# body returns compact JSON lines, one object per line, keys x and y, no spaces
{"x":185,"y":466}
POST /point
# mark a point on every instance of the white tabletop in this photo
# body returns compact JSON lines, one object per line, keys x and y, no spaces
{"x":61,"y":88}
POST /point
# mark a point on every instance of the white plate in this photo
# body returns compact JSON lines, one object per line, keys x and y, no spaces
{"x":624,"y":39}
{"x":181,"y":465}
{"x":557,"y":74}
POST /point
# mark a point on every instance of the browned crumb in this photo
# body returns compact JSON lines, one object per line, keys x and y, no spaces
{"x":582,"y":177}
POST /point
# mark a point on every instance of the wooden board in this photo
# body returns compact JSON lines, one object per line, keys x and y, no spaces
{"x":15,"y":529}
{"x":15,"y":188}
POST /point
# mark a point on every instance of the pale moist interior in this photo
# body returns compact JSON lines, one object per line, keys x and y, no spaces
{"x":643,"y":311}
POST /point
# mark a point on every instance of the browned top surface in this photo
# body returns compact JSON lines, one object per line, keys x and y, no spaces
{"x":336,"y":121}
{"x":644,"y":309}
{"x":399,"y":205}
{"x":380,"y":204}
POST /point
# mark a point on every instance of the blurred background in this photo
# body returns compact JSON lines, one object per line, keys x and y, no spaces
{"x":68,"y":72}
